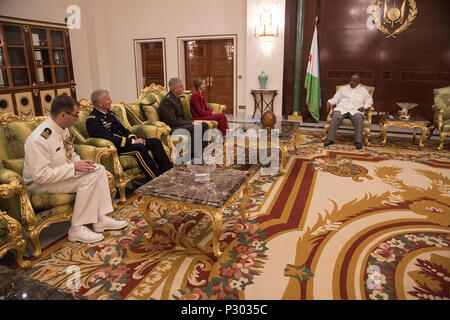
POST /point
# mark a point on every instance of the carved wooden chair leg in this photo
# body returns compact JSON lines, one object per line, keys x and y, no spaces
{"x":366,"y":140}
{"x":19,"y":255}
{"x":431,"y":132}
{"x":325,"y":128}
{"x":34,"y":239}
{"x":122,"y":194}
{"x":441,"y":144}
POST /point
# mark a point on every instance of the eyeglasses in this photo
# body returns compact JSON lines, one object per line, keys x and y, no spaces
{"x":73,"y":115}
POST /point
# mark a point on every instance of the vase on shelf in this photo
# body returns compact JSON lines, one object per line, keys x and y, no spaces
{"x":262,"y":78}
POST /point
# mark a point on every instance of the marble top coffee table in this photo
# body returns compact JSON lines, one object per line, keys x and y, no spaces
{"x":177,"y":190}
{"x":248,"y":136}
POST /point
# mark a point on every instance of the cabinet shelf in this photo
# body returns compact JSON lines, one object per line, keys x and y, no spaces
{"x":35,"y":65}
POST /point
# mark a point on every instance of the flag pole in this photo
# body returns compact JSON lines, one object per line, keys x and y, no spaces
{"x":312,"y":77}
{"x":297,"y":89}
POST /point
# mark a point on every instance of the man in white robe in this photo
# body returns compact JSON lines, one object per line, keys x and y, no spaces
{"x":351,"y":102}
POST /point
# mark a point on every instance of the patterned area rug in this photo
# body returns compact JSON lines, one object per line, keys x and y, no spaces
{"x":340,"y":224}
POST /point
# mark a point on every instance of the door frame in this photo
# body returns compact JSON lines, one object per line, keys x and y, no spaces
{"x":181,"y":61}
{"x":138,"y":60}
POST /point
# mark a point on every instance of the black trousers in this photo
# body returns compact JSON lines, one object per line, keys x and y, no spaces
{"x":151,"y":167}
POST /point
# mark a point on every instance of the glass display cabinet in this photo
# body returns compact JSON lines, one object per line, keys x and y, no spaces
{"x":35,"y":65}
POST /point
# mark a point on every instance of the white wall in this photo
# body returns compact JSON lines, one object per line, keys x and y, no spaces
{"x":265,"y":54}
{"x":164,"y":19}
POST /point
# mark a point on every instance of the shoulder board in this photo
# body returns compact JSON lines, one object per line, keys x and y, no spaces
{"x":46,"y":133}
{"x":90,"y":117}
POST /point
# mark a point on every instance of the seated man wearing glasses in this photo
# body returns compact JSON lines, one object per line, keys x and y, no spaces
{"x":104,"y":123}
{"x":51,"y":165}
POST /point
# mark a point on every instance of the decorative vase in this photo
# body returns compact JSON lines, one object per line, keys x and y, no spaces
{"x":262,"y":78}
{"x":268,"y":119}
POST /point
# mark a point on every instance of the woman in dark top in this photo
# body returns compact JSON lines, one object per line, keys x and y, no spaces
{"x":200,"y":110}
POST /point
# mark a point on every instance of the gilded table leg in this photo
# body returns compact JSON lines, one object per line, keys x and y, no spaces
{"x":145,"y":212}
{"x":414,"y":133}
{"x":216,"y":219}
{"x":283,"y":150}
{"x":366,"y":139}
{"x":325,"y":129}
{"x":296,"y":138}
{"x":424,"y":133}
{"x":384,"y":133}
{"x":245,"y":195}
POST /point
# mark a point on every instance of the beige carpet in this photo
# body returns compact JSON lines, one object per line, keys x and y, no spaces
{"x":340,"y":224}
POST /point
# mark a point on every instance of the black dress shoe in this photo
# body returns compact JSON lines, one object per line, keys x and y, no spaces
{"x":358,"y":145}
{"x":328,"y":142}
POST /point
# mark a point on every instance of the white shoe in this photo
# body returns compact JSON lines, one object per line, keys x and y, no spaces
{"x":84,"y":234}
{"x":107,"y":223}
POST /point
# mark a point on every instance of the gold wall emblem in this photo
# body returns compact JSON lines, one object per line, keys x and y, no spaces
{"x":396,"y":19}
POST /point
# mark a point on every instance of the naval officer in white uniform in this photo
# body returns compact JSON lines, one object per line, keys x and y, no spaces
{"x":51,"y":165}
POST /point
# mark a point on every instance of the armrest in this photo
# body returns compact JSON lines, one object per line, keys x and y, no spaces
{"x":17,"y":203}
{"x":99,"y":142}
{"x":86,"y":152}
{"x":217,"y":107}
{"x":368,"y":113}
{"x":145,"y":131}
{"x":330,"y":111}
{"x":155,"y":123}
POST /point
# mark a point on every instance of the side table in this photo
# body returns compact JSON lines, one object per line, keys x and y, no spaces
{"x":413,"y":122}
{"x":262,"y":104}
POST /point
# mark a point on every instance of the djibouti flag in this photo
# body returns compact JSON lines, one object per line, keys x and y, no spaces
{"x":312,"y":79}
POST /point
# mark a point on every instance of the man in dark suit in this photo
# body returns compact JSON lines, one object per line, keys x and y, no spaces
{"x":104,"y":123}
{"x":171,"y":112}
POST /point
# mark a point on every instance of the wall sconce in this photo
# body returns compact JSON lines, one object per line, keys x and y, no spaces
{"x":265,"y":28}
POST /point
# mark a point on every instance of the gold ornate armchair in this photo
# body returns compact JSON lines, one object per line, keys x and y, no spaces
{"x":441,"y":110}
{"x":145,"y":110}
{"x":124,"y":168}
{"x":347,"y":122}
{"x":11,"y":236}
{"x":34,"y":211}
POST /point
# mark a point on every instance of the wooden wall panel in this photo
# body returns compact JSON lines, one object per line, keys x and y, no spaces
{"x":406,"y":68}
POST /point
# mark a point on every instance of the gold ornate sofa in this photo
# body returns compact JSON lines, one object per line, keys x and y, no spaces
{"x":34,"y":211}
{"x":347,"y":122}
{"x":145,"y":109}
{"x":11,"y":237}
{"x":441,"y":110}
{"x":124,"y":168}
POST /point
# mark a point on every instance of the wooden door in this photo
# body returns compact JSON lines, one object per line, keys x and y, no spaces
{"x":152,"y":63}
{"x":212,"y":60}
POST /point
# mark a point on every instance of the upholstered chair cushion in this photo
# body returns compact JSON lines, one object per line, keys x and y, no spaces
{"x":348,"y":122}
{"x":442,"y":97}
{"x":136,"y":109}
{"x":45,"y":201}
{"x":15,"y":165}
{"x":80,"y":124}
{"x":446,"y":126}
{"x":12,"y":138}
{"x":150,"y":112}
{"x":185,"y":101}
